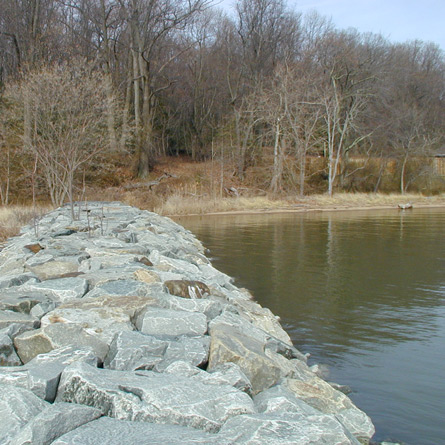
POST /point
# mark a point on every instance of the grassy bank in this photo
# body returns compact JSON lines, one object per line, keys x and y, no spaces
{"x":182,"y":205}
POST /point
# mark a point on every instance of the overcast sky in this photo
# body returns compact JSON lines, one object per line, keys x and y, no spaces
{"x":397,"y":20}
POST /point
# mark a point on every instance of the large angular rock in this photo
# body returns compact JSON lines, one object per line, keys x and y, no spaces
{"x":100,"y":316}
{"x":193,"y":350}
{"x":134,"y":350}
{"x":12,"y":262}
{"x":153,"y":397}
{"x":8,"y":355}
{"x":130,"y":351}
{"x":17,"y":407}
{"x":322,"y":396}
{"x":42,"y":374}
{"x":117,"y":432}
{"x":155,"y":321}
{"x":231,"y":317}
{"x":57,"y":335}
{"x":284,"y":428}
{"x":54,"y":421}
{"x":228,"y":344}
{"x":262,"y":318}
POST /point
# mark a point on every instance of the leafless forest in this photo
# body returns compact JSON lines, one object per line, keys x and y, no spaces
{"x":86,"y":83}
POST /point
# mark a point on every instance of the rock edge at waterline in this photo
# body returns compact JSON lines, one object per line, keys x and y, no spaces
{"x":115,"y":328}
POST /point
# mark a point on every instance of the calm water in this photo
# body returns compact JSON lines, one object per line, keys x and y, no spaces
{"x":363,"y":292}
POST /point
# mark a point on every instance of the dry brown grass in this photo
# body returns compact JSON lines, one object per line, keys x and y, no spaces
{"x":12,"y":218}
{"x":359,"y":200}
{"x":178,"y":204}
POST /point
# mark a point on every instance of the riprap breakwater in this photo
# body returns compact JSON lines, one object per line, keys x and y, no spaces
{"x":115,"y":328}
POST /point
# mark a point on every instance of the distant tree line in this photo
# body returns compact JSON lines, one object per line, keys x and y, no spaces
{"x":261,"y":85}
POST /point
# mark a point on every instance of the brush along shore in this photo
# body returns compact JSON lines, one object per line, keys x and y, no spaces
{"x":13,"y":217}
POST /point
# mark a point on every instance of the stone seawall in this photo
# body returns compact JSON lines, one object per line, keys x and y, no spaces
{"x":116,"y":329}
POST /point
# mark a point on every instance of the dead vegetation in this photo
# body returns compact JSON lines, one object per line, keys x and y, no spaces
{"x":12,"y":218}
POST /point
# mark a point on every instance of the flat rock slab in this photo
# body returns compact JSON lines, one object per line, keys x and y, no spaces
{"x":153,"y":397}
{"x":8,"y":318}
{"x":60,"y":289}
{"x":119,"y":288}
{"x":117,"y":432}
{"x":155,"y":321}
{"x":52,"y":268}
{"x":282,"y":429}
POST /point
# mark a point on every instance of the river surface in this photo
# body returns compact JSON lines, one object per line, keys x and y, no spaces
{"x":363,"y":292}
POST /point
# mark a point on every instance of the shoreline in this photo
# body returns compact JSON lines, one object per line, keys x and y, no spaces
{"x":267,"y":211}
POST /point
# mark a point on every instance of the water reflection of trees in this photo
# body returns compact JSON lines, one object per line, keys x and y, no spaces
{"x":345,"y":280}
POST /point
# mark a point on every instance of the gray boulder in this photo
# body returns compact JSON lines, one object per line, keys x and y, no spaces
{"x":17,"y":407}
{"x":134,"y":350}
{"x":60,"y":289}
{"x":8,"y":355}
{"x":119,"y":288}
{"x":8,"y":318}
{"x":323,"y":397}
{"x":17,"y":300}
{"x":284,"y":428}
{"x":153,"y":397}
{"x":229,"y":344}
{"x":42,"y":374}
{"x":54,"y":421}
{"x":11,"y":280}
{"x":130,"y":351}
{"x":50,"y":268}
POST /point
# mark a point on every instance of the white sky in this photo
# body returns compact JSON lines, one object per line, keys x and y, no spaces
{"x":397,"y":20}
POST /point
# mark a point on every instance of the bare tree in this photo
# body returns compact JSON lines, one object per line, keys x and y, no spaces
{"x":68,"y":110}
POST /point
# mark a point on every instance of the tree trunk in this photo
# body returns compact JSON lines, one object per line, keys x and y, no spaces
{"x":402,"y":175}
{"x":302,"y":172}
{"x":275,"y":184}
